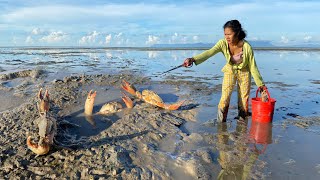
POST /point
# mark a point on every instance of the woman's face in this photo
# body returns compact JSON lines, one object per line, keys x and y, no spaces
{"x":229,"y":35}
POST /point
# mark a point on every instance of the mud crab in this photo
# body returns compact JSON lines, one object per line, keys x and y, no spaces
{"x":108,"y":108}
{"x":149,"y":97}
{"x":47,"y":126}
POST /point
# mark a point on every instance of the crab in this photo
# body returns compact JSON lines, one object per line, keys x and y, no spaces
{"x":47,"y":127}
{"x":150,"y":97}
{"x":108,"y":108}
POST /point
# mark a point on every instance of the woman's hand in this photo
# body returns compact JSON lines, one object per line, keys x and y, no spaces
{"x":263,"y":88}
{"x":188,"y":62}
{"x":264,"y":94}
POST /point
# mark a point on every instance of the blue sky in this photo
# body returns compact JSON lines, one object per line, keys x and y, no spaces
{"x":143,"y":23}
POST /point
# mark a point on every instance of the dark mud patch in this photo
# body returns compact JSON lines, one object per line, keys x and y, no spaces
{"x":314,"y":81}
{"x":196,"y":87}
{"x":303,"y":122}
{"x":25,"y":73}
{"x":280,"y":85}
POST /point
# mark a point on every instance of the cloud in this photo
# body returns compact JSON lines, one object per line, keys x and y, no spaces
{"x":53,"y":37}
{"x":307,"y":38}
{"x":284,"y":40}
{"x":118,"y":35}
{"x":174,"y":38}
{"x":29,"y":40}
{"x":184,"y":39}
{"x":36,"y":31}
{"x":177,"y":38}
{"x":152,"y":40}
{"x":91,"y":38}
{"x":108,"y":39}
{"x":195,"y":38}
{"x":156,"y":17}
{"x":119,"y":39}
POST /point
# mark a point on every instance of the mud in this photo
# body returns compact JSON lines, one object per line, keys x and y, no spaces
{"x":140,"y":143}
{"x":116,"y":150}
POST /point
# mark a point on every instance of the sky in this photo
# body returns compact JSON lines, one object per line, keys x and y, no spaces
{"x":144,"y":23}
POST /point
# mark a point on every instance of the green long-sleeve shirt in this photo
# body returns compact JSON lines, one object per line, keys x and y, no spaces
{"x":248,"y":59}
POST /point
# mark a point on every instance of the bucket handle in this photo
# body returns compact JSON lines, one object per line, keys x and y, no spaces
{"x":266,"y":89}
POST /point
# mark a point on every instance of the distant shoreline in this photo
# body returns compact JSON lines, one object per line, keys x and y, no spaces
{"x":160,"y":48}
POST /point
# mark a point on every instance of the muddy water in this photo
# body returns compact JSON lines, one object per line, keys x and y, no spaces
{"x":197,"y":148}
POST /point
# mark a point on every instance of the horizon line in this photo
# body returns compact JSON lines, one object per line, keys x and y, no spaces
{"x":147,"y":48}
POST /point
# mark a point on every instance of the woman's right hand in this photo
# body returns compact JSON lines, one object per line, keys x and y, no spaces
{"x":264,"y":95}
{"x":188,"y":62}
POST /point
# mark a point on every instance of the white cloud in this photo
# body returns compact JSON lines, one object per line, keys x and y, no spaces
{"x":53,"y":37}
{"x":36,"y":31}
{"x":91,"y":38}
{"x":119,"y":39}
{"x":184,"y":39}
{"x":29,"y":40}
{"x":284,"y":40}
{"x":152,"y":40}
{"x":121,"y":16}
{"x":118,"y":35}
{"x":195,"y":38}
{"x":108,"y":39}
{"x":307,"y":38}
{"x":174,"y":38}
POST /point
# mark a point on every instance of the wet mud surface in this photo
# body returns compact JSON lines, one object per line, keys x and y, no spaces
{"x":144,"y":142}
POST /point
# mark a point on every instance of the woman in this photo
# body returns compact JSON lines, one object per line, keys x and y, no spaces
{"x":239,"y":68}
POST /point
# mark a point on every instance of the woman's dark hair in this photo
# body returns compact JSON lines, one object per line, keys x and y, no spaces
{"x":236,"y":28}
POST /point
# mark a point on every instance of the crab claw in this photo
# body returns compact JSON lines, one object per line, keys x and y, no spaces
{"x":88,"y":107}
{"x":38,"y":149}
{"x":127,"y":100}
{"x":43,"y":104}
{"x":128,"y":87}
{"x":174,"y":106}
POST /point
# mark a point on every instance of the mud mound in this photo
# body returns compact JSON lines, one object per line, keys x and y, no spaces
{"x":26,"y":73}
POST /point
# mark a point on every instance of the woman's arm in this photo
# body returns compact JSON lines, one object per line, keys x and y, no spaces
{"x":200,"y":58}
{"x":254,"y":69}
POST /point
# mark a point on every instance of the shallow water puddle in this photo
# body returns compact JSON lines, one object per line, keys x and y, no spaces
{"x":90,"y":125}
{"x":293,"y":154}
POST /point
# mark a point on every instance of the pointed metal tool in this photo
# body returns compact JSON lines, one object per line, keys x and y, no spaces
{"x":182,"y":65}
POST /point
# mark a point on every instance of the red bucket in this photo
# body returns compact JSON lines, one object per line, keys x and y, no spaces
{"x":262,"y":111}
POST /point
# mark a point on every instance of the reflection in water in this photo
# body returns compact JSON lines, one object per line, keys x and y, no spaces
{"x":262,"y":134}
{"x":236,"y":154}
{"x":90,"y":120}
{"x":109,"y":55}
{"x":153,"y":54}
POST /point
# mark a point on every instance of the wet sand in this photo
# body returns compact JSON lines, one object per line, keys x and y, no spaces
{"x":146,"y":142}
